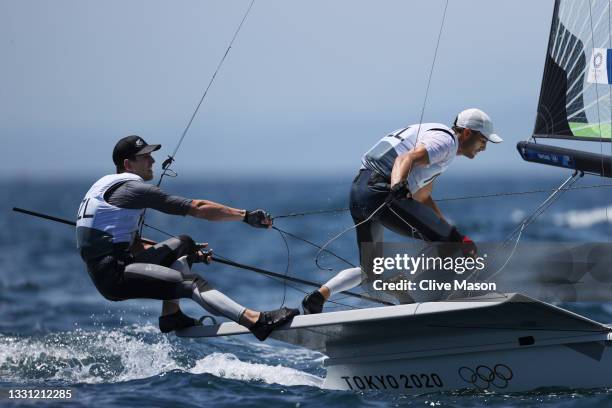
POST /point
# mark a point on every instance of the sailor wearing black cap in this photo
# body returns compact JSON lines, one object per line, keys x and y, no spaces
{"x":123,"y":267}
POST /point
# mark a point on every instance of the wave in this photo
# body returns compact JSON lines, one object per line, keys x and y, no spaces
{"x":583,"y":218}
{"x":136,"y":352}
{"x":85,"y":357}
{"x":227,"y":365}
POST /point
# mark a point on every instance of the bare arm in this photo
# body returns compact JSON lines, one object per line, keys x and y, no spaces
{"x":406,"y":161}
{"x":212,"y":211}
{"x":432,"y":204}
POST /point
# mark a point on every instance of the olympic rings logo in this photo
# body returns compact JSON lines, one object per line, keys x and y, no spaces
{"x":597,"y":59}
{"x":483,"y":376}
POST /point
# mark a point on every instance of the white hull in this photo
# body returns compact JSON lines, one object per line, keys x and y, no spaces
{"x":488,"y":368}
{"x":502,"y":343}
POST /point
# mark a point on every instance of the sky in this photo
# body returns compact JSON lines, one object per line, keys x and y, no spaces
{"x":306,"y":89}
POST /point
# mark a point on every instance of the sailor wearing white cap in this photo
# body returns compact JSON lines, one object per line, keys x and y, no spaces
{"x":400,"y":170}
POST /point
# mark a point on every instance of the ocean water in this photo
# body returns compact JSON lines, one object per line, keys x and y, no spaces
{"x":56,"y":331}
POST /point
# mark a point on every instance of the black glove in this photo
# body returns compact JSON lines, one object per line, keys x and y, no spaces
{"x":202,"y":254}
{"x":206,"y":256}
{"x":258,"y":218}
{"x":399,"y":191}
{"x":468,"y":247}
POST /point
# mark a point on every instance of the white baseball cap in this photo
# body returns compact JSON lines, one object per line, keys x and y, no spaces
{"x":479,"y":121}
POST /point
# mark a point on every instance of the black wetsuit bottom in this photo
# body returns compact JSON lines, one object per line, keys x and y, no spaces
{"x":121,"y":275}
{"x":405,"y":217}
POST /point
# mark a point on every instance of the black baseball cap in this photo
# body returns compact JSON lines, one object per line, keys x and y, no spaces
{"x":130,"y":146}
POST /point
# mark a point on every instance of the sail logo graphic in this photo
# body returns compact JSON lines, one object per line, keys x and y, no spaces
{"x":600,"y":66}
{"x":597,"y":60}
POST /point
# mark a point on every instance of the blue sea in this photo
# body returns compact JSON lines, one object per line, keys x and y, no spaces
{"x":57,"y":332}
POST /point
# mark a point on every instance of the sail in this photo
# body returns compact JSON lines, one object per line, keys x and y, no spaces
{"x":575,"y":98}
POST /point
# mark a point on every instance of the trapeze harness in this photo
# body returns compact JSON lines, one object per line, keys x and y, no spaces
{"x":105,"y":233}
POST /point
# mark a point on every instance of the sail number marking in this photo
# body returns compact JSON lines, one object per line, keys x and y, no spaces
{"x":82,"y":213}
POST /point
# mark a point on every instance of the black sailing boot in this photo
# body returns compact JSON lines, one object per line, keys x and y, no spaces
{"x":176,"y":321}
{"x":268,"y":321}
{"x":313,"y":303}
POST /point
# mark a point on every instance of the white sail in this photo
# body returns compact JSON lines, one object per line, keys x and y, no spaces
{"x":575,"y":99}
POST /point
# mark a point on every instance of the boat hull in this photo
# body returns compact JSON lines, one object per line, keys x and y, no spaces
{"x":510,"y":370}
{"x":497,"y":342}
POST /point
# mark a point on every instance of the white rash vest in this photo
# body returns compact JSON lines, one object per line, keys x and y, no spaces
{"x":438,"y":139}
{"x":100,"y":225}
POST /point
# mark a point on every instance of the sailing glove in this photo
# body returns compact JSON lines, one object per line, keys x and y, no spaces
{"x":399,"y":191}
{"x":205,"y":256}
{"x":202,"y":254}
{"x":468,"y":247}
{"x":258,"y":218}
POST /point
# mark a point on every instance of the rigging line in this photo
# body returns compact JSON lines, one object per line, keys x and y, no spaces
{"x":292,"y":279}
{"x":314,"y":245}
{"x":294,"y":287}
{"x":502,"y":194}
{"x":433,"y":64}
{"x":337,"y":210}
{"x":431,"y":70}
{"x":218,"y":259}
{"x":226,"y":261}
{"x":372,"y":292}
{"x":323,"y":248}
{"x":286,"y":273}
{"x":414,"y":230}
{"x":518,"y":231}
{"x":168,"y":162}
{"x":212,"y":79}
{"x":159,"y":230}
{"x":518,"y":238}
{"x":540,"y":209}
{"x":471,"y":197}
{"x":610,"y":104}
{"x":596,"y":90}
{"x":281,"y":232}
{"x":287,"y":268}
